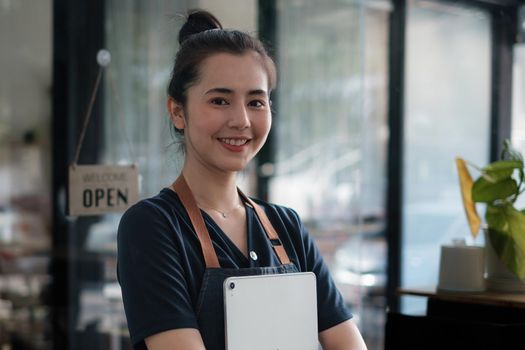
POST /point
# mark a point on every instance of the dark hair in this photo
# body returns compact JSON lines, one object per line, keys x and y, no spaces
{"x":202,"y":36}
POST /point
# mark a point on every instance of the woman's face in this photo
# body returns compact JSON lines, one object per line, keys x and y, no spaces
{"x":227,"y":115}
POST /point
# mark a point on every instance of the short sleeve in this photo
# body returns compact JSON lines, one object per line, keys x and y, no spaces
{"x":152,"y":279}
{"x":331,"y":308}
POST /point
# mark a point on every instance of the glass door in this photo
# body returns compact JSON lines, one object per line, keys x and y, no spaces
{"x":447,"y":114}
{"x":518,"y":99}
{"x":142,"y":39}
{"x":25,"y":169}
{"x":331,"y":135}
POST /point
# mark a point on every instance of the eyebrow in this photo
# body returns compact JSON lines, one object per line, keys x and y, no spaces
{"x":222,"y":90}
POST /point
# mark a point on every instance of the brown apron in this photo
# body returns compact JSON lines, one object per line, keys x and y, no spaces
{"x":210,"y":306}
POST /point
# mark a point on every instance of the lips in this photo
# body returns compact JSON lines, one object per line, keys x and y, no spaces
{"x":234,"y":144}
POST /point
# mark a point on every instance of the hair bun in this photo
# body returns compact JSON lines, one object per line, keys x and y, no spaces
{"x":198,"y":21}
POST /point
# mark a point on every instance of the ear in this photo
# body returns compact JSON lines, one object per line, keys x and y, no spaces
{"x":176,"y":112}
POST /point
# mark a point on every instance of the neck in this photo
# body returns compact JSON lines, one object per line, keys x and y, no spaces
{"x":212,"y":189}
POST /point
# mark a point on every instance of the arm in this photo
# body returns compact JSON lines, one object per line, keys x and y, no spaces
{"x":176,"y":339}
{"x":151,"y":272}
{"x":344,"y":336}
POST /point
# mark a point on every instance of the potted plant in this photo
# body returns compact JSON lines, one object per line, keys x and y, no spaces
{"x":499,"y":186}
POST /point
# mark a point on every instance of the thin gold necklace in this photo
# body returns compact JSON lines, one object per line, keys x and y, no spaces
{"x":224,"y":214}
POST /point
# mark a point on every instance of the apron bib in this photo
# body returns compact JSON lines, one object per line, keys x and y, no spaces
{"x":210,"y":303}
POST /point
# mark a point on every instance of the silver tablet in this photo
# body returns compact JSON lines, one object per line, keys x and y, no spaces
{"x":271,"y":312}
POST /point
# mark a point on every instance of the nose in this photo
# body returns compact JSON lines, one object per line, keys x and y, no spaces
{"x":239,"y":118}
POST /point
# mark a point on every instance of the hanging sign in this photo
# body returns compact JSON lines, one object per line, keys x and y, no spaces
{"x":101,"y":189}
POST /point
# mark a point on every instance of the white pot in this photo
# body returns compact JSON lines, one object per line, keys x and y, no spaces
{"x":498,"y":277}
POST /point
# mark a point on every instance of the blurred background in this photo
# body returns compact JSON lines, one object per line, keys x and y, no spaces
{"x":375,"y":99}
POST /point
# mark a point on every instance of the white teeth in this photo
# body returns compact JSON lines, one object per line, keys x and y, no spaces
{"x":234,"y":142}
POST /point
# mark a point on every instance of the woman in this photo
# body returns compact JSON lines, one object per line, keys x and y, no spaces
{"x":176,"y":249}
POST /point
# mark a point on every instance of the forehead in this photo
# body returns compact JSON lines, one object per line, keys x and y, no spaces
{"x":238,"y":72}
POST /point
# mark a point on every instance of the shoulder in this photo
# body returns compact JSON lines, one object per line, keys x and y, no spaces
{"x":157,"y":207}
{"x":298,"y":243}
{"x":286,"y":220}
{"x":287,"y":215}
{"x":158,"y":214}
{"x":153,"y":227}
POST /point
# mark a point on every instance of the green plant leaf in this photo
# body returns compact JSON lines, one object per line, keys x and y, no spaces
{"x":507,"y":236}
{"x":486,"y":192}
{"x":501,"y":169}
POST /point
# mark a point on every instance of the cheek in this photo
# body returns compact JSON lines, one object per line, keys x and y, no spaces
{"x":267,"y":124}
{"x":262,"y":123}
{"x":201,"y":120}
{"x":261,"y":130}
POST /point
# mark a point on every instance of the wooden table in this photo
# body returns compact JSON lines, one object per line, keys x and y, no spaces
{"x":486,"y":320}
{"x":510,"y":300}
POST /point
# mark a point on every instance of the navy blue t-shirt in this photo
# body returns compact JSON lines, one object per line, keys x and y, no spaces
{"x":160,"y":263}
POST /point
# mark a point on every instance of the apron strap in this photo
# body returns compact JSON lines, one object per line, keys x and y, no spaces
{"x":186,"y":197}
{"x":210,"y":256}
{"x":277,"y":245}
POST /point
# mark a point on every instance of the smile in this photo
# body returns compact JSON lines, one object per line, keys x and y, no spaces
{"x":234,"y":142}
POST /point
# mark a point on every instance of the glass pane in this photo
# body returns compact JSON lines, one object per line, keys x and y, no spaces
{"x":518,"y":98}
{"x":142,"y":39}
{"x":447,"y":114}
{"x":518,"y":104}
{"x":331,"y":141}
{"x":25,"y":181}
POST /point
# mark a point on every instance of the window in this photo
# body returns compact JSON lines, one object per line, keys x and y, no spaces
{"x":518,"y":98}
{"x":142,"y":39}
{"x":518,"y":101}
{"x":25,"y":173}
{"x":331,"y":137}
{"x":447,"y":114}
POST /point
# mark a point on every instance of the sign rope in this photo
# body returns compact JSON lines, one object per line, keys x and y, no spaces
{"x":88,"y":114}
{"x":103,"y":59}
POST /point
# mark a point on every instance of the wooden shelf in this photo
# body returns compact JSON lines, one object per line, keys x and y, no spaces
{"x":514,"y":300}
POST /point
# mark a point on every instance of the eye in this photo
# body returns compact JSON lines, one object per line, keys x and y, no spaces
{"x":219,"y":101}
{"x":256,"y":103}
